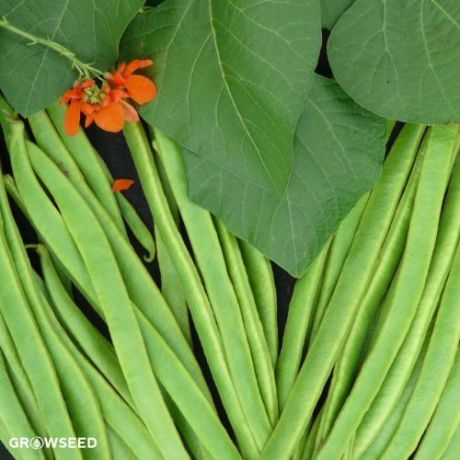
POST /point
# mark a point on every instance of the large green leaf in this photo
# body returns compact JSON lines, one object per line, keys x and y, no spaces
{"x":331,"y":10}
{"x":232,"y":77}
{"x":339,"y":148}
{"x":399,"y":58}
{"x":32,"y":76}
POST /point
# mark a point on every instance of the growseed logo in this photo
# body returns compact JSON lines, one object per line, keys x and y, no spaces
{"x":36,"y":443}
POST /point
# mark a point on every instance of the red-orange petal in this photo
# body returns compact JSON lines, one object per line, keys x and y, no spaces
{"x":141,"y":89}
{"x":122,"y":184}
{"x":89,"y":120}
{"x":72,"y":118}
{"x":110,"y":118}
{"x":130,"y":112}
{"x":136,"y":64}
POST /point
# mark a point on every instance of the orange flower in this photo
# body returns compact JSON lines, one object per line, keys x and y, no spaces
{"x":106,"y":105}
{"x":122,"y":184}
{"x":139,"y":88}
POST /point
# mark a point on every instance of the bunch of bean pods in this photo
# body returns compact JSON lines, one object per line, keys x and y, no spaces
{"x":367,"y":366}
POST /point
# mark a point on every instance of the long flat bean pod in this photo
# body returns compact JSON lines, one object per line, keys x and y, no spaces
{"x":435,"y":371}
{"x":444,"y":253}
{"x":99,"y":178}
{"x":298,"y":325}
{"x":445,"y":420}
{"x":12,"y":413}
{"x":81,"y":403}
{"x":20,"y":380}
{"x":168,"y":368}
{"x":83,"y":332}
{"x":118,"y":415}
{"x":262,"y":281}
{"x":49,"y":140}
{"x":340,"y":246}
{"x":410,"y":282}
{"x":257,"y":342}
{"x":141,"y":288}
{"x":32,"y":351}
{"x":356,"y":342}
{"x":451,"y":453}
{"x":221,"y":293}
{"x":344,"y":302}
{"x":120,"y":317}
{"x":193,"y":289}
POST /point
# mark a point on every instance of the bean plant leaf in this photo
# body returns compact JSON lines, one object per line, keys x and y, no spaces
{"x":331,"y":10}
{"x":32,"y":75}
{"x":399,"y":58}
{"x":339,"y":149}
{"x":232,"y":78}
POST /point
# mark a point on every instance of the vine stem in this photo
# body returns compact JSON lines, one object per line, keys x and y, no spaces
{"x":83,"y":69}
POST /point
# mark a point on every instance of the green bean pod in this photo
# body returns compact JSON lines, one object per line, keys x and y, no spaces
{"x":298,"y":325}
{"x":31,"y":189}
{"x":345,"y":301}
{"x":140,"y":231}
{"x":380,"y":442}
{"x":80,"y":329}
{"x":12,"y":414}
{"x":340,"y":246}
{"x":434,"y":373}
{"x":171,"y":288}
{"x":355,"y":345}
{"x":256,"y":338}
{"x":193,"y":289}
{"x":140,"y":286}
{"x":29,"y":343}
{"x":222,"y":295}
{"x":408,"y":289}
{"x":53,"y":144}
{"x":451,"y":453}
{"x":100,"y":180}
{"x":174,"y":377}
{"x":20,"y":380}
{"x":262,"y":281}
{"x":124,"y":328}
{"x":118,"y":416}
{"x":82,"y":405}
{"x":444,"y":252}
{"x":445,"y":420}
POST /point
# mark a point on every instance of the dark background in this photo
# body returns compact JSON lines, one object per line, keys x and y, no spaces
{"x":115,"y":153}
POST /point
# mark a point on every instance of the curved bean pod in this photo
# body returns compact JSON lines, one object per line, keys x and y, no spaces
{"x":444,"y":253}
{"x":408,"y":289}
{"x":434,"y":373}
{"x":193,"y":289}
{"x":12,"y":414}
{"x":262,"y":282}
{"x":100,"y":180}
{"x":298,"y":325}
{"x":118,"y":312}
{"x":445,"y":421}
{"x":174,"y":377}
{"x":210,"y":259}
{"x":344,"y":302}
{"x":256,"y":338}
{"x":354,"y":348}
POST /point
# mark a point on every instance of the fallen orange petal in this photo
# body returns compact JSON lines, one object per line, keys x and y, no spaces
{"x":122,"y":184}
{"x":141,"y":89}
{"x":110,"y":118}
{"x":72,"y":118}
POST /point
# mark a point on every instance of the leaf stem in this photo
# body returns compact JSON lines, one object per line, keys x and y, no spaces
{"x":85,"y":70}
